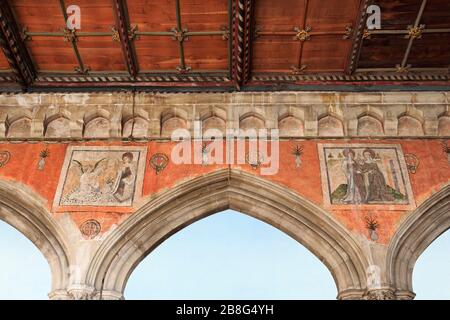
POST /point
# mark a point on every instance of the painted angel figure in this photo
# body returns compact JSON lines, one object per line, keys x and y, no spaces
{"x":87,"y":185}
{"x":123,"y":188}
{"x":89,"y":177}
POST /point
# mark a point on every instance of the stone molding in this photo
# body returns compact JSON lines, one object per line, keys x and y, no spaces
{"x":427,"y":110}
{"x":111,"y":261}
{"x":21,"y":209}
{"x":136,"y":237}
{"x":414,"y":235}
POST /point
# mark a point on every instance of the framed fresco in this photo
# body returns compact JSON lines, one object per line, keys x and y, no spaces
{"x":101,"y":176}
{"x":364,"y":174}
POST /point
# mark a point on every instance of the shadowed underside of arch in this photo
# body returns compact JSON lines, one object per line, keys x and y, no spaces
{"x":173,"y":210}
{"x":20,"y":209}
{"x":414,"y":235}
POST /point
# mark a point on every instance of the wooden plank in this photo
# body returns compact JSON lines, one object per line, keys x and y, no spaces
{"x":431,"y":51}
{"x":101,"y":54}
{"x":13,"y":47}
{"x":383,"y":51}
{"x":4,"y":64}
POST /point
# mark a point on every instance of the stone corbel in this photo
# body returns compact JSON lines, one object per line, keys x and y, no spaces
{"x":115,"y":122}
{"x":76,"y":128}
{"x":154,"y":128}
{"x":390,"y":125}
{"x":311,"y":124}
{"x":3,"y":117}
{"x":115,"y":130}
{"x":431,"y":126}
{"x":37,"y":128}
{"x":352,"y":127}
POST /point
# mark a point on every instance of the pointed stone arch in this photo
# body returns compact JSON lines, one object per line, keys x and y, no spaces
{"x":330,"y":125}
{"x":444,"y":124}
{"x":410,"y":124}
{"x":19,"y":126}
{"x":173,"y":119}
{"x":97,"y":124}
{"x":136,"y":127}
{"x":21,"y":209}
{"x":414,"y":235}
{"x":57,"y":125}
{"x":215,"y":120}
{"x":252,"y":121}
{"x":290,"y":125}
{"x":370,"y":124}
{"x":191,"y":201}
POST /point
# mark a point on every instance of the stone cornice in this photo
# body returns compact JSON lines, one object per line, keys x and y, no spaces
{"x":429,"y":109}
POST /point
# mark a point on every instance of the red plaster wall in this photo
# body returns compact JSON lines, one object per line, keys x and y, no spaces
{"x":433,"y":173}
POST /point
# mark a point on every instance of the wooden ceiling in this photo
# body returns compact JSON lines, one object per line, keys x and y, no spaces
{"x":223,"y":44}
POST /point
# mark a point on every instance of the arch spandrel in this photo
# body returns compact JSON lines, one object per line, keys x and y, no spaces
{"x":123,"y":249}
{"x":23,"y":210}
{"x":418,"y":230}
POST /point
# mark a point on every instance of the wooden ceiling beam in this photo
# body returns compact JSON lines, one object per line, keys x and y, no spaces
{"x":14,"y":48}
{"x":355,"y":52}
{"x":403,"y":66}
{"x":123,"y":25}
{"x":242,"y":25}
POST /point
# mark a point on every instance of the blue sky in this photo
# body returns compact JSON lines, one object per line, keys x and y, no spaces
{"x":226,"y":256}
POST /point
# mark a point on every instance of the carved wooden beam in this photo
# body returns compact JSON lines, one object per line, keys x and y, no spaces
{"x":121,"y":13}
{"x":243,"y":16}
{"x":13,"y":47}
{"x":355,"y":52}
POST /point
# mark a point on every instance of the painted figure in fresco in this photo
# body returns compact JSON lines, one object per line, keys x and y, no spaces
{"x":123,"y":189}
{"x":356,"y":190}
{"x":377,"y":189}
{"x":89,"y":186}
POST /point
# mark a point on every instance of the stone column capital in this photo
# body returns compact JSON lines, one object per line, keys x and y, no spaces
{"x":380,"y":294}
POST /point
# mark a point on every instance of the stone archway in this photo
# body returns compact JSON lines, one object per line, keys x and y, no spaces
{"x":413,"y":236}
{"x":23,"y":211}
{"x":171,"y":211}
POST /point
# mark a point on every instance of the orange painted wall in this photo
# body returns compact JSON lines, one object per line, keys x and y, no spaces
{"x":433,"y":173}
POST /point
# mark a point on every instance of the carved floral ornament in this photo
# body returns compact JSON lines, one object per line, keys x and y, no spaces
{"x":380,"y":294}
{"x":302,"y":34}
